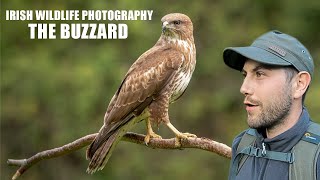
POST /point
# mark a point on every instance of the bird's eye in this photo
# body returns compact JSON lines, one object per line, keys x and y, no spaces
{"x":176,"y":22}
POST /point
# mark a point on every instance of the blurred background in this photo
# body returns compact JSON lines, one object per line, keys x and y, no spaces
{"x":55,"y":91}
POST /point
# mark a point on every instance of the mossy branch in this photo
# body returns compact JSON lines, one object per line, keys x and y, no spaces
{"x":197,"y":143}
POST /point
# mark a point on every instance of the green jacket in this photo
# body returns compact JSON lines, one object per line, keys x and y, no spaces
{"x":292,"y":155}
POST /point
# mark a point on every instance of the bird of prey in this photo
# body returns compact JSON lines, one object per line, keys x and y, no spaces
{"x":157,"y":78}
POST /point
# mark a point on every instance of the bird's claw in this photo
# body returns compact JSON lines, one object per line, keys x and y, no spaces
{"x":186,"y":135}
{"x":149,"y":136}
{"x":181,"y":136}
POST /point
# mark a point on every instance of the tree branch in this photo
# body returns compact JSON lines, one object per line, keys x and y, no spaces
{"x":197,"y":143}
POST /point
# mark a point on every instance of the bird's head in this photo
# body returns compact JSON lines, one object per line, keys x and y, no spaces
{"x":177,"y":25}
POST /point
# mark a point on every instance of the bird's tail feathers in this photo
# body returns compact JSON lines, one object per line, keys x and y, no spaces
{"x":97,"y":142}
{"x":101,"y":148}
{"x":103,"y":145}
{"x":101,"y":156}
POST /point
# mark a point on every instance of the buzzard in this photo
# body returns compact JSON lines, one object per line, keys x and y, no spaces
{"x":157,"y":78}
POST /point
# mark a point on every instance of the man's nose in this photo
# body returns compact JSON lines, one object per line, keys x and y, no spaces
{"x":246,"y":87}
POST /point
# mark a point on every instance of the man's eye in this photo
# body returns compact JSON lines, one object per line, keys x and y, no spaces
{"x":259,"y":74}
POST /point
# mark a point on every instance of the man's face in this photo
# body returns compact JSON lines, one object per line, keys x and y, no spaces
{"x":268,"y":94}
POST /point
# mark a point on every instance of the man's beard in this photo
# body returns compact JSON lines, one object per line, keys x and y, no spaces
{"x":272,"y":114}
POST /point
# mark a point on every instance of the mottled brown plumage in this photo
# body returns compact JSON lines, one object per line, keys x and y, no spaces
{"x":159,"y":77}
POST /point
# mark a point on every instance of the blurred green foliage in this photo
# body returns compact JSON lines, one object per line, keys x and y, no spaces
{"x":54,"y":91}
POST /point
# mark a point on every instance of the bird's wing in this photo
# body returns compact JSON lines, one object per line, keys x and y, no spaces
{"x":145,"y":79}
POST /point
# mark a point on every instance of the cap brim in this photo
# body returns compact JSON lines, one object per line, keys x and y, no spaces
{"x":235,"y":57}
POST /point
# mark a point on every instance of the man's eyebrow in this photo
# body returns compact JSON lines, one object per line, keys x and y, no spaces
{"x":258,"y":67}
{"x":263,"y":66}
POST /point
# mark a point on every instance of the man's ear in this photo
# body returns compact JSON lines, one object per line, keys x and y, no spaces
{"x":301,"y":84}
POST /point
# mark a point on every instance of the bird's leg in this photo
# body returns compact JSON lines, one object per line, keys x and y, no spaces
{"x":150,"y":133}
{"x":179,"y":135}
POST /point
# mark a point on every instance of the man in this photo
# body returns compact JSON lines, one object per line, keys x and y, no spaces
{"x":282,"y":142}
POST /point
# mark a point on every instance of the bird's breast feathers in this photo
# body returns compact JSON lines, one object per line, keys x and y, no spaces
{"x":180,"y":84}
{"x":184,"y":74}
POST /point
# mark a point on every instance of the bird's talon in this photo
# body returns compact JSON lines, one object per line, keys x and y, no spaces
{"x":177,"y":142}
{"x":181,"y":136}
{"x":186,"y":135}
{"x":146,"y":140}
{"x":149,"y":136}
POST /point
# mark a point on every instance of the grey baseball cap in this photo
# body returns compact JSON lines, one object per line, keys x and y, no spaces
{"x":272,"y":48}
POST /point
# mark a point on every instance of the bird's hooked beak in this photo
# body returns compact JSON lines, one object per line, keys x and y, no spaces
{"x":164,"y":26}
